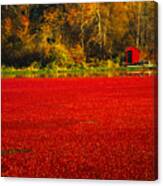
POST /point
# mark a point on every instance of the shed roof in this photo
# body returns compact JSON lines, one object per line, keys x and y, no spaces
{"x":132,"y":48}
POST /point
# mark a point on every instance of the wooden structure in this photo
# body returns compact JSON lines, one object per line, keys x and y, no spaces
{"x":132,"y":56}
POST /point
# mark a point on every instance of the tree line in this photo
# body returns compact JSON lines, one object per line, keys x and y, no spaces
{"x":76,"y":34}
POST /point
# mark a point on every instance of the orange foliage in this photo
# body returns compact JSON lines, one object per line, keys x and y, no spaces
{"x":77,"y":54}
{"x":8,"y":25}
{"x":50,"y":16}
{"x":78,"y":15}
{"x":23,"y":7}
{"x":73,"y":14}
{"x":25,"y":21}
{"x":144,"y":54}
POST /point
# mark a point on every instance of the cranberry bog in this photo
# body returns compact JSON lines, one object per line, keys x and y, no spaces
{"x":90,"y":128}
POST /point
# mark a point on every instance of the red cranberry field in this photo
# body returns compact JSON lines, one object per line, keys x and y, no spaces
{"x":91,"y":128}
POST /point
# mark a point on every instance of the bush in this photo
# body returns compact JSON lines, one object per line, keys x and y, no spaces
{"x":52,"y":66}
{"x":60,"y":56}
{"x":111,"y":64}
{"x":117,"y":60}
{"x":35,"y":65}
{"x":77,"y":54}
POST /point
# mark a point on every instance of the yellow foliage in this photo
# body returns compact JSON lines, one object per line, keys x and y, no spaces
{"x":62,"y":55}
{"x":111,"y":64}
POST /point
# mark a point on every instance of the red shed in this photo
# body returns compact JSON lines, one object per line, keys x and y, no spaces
{"x":132,"y":55}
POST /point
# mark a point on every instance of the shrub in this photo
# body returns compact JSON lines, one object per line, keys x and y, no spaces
{"x":61,"y":56}
{"x":35,"y":65}
{"x":111,"y":64}
{"x":52,"y":66}
{"x":77,"y":54}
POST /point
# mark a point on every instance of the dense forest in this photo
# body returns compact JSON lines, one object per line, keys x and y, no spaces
{"x":70,"y":35}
